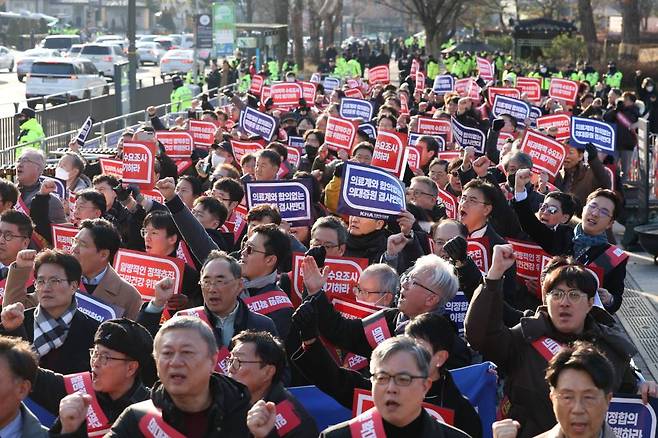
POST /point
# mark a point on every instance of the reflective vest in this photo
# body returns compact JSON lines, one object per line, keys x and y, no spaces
{"x":181,"y":99}
{"x":30,"y":132}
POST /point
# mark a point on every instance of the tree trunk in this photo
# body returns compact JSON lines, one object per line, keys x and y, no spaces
{"x":588,"y":28}
{"x":281,"y":17}
{"x":297,"y":28}
{"x":630,"y":29}
{"x":314,"y":23}
{"x":249,"y":11}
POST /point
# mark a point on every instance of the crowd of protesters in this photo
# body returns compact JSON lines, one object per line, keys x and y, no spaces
{"x":204,"y":361}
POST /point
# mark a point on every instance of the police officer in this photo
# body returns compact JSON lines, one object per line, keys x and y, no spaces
{"x":613,"y":77}
{"x":30,"y":130}
{"x":181,"y":96}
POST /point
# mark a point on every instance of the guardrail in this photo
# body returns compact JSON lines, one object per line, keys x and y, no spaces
{"x":106,"y":133}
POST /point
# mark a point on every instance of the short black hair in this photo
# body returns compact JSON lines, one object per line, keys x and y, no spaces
{"x":277,"y":243}
{"x":20,"y":219}
{"x":20,"y":357}
{"x":279,"y":148}
{"x":214,"y":207}
{"x":269,"y":349}
{"x":573,"y":275}
{"x":333,"y":223}
{"x":70,"y":264}
{"x":197,"y":186}
{"x":609,"y":194}
{"x":582,"y":356}
{"x":318,"y":134}
{"x":566,"y":200}
{"x":364,"y":145}
{"x":271,"y":155}
{"x":109,"y":179}
{"x":231,"y":186}
{"x":162,"y":220}
{"x":259,"y":212}
{"x":432,"y":144}
{"x":8,"y":192}
{"x":104,"y":234}
{"x":440,"y":162}
{"x":436,"y":329}
{"x":95,"y":197}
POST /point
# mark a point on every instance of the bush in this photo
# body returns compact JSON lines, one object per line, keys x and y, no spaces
{"x":566,"y":47}
{"x":501,"y":42}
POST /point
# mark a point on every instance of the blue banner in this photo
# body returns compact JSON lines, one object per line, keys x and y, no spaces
{"x":291,"y":197}
{"x":370,"y":192}
{"x":330,"y":84}
{"x":600,"y":134}
{"x":352,"y":109}
{"x":413,"y":139}
{"x":443,"y":84}
{"x":257,"y":123}
{"x":535,"y":113}
{"x":465,"y":136}
{"x":516,"y":108}
{"x":296,"y":142}
{"x":628,"y":417}
{"x":369,"y":129}
{"x":456,"y":309}
{"x":94,"y":308}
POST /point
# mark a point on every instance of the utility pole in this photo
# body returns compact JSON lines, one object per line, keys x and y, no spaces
{"x":132,"y":54}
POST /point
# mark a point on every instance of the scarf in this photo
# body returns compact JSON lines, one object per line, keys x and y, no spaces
{"x":582,"y":242}
{"x":260,"y":282}
{"x":50,"y":333}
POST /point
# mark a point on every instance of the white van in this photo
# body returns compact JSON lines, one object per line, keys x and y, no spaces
{"x":78,"y":76}
{"x":60,"y":42}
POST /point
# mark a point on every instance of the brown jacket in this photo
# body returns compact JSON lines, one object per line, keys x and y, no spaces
{"x":583,"y":180}
{"x":556,"y":432}
{"x":112,"y":290}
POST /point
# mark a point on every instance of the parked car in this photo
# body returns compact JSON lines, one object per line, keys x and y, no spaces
{"x":179,"y":61}
{"x":24,"y":63}
{"x":76,"y":76}
{"x":150,"y":52}
{"x":145,"y":38}
{"x":103,"y":56}
{"x":182,"y":40}
{"x":60,"y":42}
{"x":166,"y":42}
{"x":6,"y":59}
{"x":74,"y":51}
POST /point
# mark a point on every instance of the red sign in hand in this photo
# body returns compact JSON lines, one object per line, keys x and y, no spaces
{"x":177,"y":144}
{"x":561,"y":121}
{"x":63,"y":237}
{"x":242,"y":148}
{"x":389,"y":151}
{"x":286,"y":94}
{"x":427,"y":126}
{"x":143,"y":271}
{"x":203,"y":133}
{"x":547,"y":153}
{"x":531,"y":87}
{"x":563,"y":89}
{"x":340,"y":133}
{"x":139,"y":163}
{"x":492,"y":92}
{"x":111,"y":167}
{"x":379,"y":75}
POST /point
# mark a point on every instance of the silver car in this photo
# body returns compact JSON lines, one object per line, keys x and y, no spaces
{"x":150,"y":52}
{"x":179,"y":61}
{"x":6,"y":59}
{"x":24,"y":63}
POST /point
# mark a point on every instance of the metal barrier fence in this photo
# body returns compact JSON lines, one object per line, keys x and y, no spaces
{"x":106,"y":133}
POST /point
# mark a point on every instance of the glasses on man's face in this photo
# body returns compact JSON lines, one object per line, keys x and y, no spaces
{"x":407,"y":279}
{"x":570,"y":399}
{"x":52,"y":282}
{"x":236,"y":363}
{"x":9,"y":236}
{"x":416,"y":192}
{"x":144,"y":232}
{"x":550,"y":209}
{"x":594,"y":208}
{"x":471,"y":200}
{"x":211,"y":282}
{"x":250,"y":249}
{"x":402,"y":379}
{"x":574,"y":296}
{"x":103,"y":358}
{"x":363,"y":293}
{"x":24,"y":160}
{"x":326,"y":245}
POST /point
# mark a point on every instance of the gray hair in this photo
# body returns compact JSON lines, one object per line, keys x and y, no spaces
{"x":399,"y":344}
{"x":187,"y":323}
{"x":524,"y":160}
{"x":429,"y":183}
{"x":333,"y":223}
{"x":233,"y":264}
{"x":389,"y":280}
{"x":442,"y":277}
{"x":37,"y":156}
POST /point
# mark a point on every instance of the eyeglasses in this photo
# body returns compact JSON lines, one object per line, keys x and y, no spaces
{"x":594,"y":208}
{"x":144,"y":232}
{"x":402,"y":379}
{"x":569,"y":399}
{"x":104,"y":358}
{"x":416,"y":192}
{"x":27,"y":160}
{"x":9,"y":236}
{"x":550,"y":209}
{"x":210,"y":282}
{"x":573,"y":295}
{"x":327,"y":245}
{"x":250,"y":249}
{"x":51,"y":282}
{"x":471,"y":200}
{"x":407,"y":278}
{"x":359,"y":291}
{"x":235,"y":363}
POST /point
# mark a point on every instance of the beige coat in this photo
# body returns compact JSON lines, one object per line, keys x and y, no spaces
{"x":556,"y":432}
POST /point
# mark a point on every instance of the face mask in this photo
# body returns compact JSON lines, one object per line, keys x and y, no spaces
{"x":510,"y":179}
{"x":290,"y":79}
{"x":311,"y":151}
{"x":649,"y":88}
{"x":62,"y":174}
{"x":216,"y":160}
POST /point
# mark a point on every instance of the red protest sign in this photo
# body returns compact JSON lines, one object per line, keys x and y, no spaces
{"x":448,"y":155}
{"x":63,"y":237}
{"x":413,"y":158}
{"x":111,"y":167}
{"x":492,"y":92}
{"x":389,"y":151}
{"x":350,"y":308}
{"x":139,"y":163}
{"x":203,"y":133}
{"x":449,"y":202}
{"x":485,"y":69}
{"x":415,"y":67}
{"x":294,"y":155}
{"x":340,"y":133}
{"x":420,"y":81}
{"x":363,"y":401}
{"x":379,"y":75}
{"x":427,"y":126}
{"x":177,"y":144}
{"x":286,"y":94}
{"x":242,"y":148}
{"x":404,"y":104}
{"x":467,"y":88}
{"x":143,"y":270}
{"x":531,"y":87}
{"x":343,"y":274}
{"x":563,"y":89}
{"x":547,"y":153}
{"x":529,"y":258}
{"x":257,"y":82}
{"x":264,"y":94}
{"x":561,"y":121}
{"x":354,"y":93}
{"x":502,"y":139}
{"x":153,"y":195}
{"x":478,"y":251}
{"x":308,"y":92}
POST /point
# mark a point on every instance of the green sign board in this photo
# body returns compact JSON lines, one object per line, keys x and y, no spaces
{"x":223,"y":23}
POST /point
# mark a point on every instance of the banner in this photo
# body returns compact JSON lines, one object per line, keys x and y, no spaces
{"x":379,"y":75}
{"x":223,"y":23}
{"x":286,"y":94}
{"x":561,"y":121}
{"x":502,"y":139}
{"x":339,"y":133}
{"x":330,"y":84}
{"x":94,"y":308}
{"x":363,"y":401}
{"x":354,"y":93}
{"x":369,"y":129}
{"x":84,"y":132}
{"x":369,"y":192}
{"x":139,"y":163}
{"x":257,"y":123}
{"x":629,"y":417}
{"x":448,"y":155}
{"x":412,"y":158}
{"x":531,"y":87}
{"x":111,"y":167}
{"x":63,"y":237}
{"x":343,"y":274}
{"x":413,"y":139}
{"x":242,"y":148}
{"x":485,"y":69}
{"x":256,"y":87}
{"x":352,"y":109}
{"x":308,"y":92}
{"x":316,"y":78}
{"x":203,"y":133}
{"x":153,"y":195}
{"x":143,"y":271}
{"x":516,"y":108}
{"x":415,"y":67}
{"x":296,"y":142}
{"x":450,"y":203}
{"x":465,"y":136}
{"x":427,"y":126}
{"x":467,"y":87}
{"x":535,"y":113}
{"x":547,"y":153}
{"x":492,"y":92}
{"x":420,"y":81}
{"x":529,"y":258}
{"x":600,"y":134}
{"x":177,"y":144}
{"x":456,"y":311}
{"x":294,"y":155}
{"x":389,"y":151}
{"x":292,"y":198}
{"x":478,"y":250}
{"x":264,"y":94}
{"x":563,"y":89}
{"x":443,"y":84}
